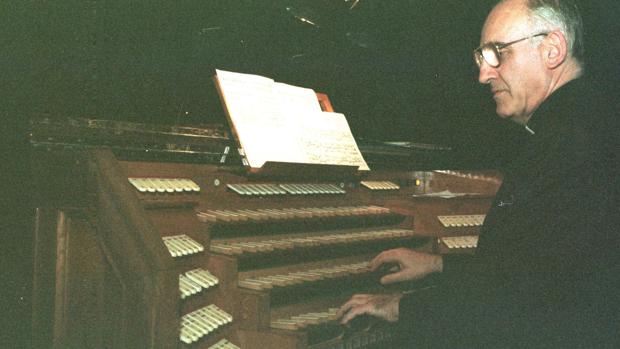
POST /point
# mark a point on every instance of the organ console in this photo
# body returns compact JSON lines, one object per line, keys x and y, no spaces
{"x":140,"y":244}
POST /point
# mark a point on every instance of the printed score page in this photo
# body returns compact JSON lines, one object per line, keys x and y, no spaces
{"x":327,"y":139}
{"x":284,"y":123}
{"x":253,"y":113}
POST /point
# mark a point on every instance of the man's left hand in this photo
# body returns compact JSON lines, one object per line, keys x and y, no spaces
{"x":384,"y":306}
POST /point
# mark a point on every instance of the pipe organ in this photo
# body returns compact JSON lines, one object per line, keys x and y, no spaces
{"x":135,"y":251}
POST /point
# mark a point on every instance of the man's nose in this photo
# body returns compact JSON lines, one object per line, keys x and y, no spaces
{"x":486,"y":73}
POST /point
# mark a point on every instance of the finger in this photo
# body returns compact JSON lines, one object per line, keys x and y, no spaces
{"x":344,"y":309}
{"x":382,"y":258}
{"x":375,"y":262}
{"x":356,"y":311}
{"x":356,"y":300}
{"x":361,"y":296}
{"x":394,"y":277}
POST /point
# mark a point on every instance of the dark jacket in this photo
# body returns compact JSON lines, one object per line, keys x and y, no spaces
{"x":546,"y":270}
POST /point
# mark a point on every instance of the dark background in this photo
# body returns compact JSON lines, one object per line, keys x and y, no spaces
{"x":399,"y":70}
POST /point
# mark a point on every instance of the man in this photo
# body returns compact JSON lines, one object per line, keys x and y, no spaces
{"x":546,"y":269}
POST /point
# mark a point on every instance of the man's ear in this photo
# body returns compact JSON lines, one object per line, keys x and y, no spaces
{"x":555,"y":49}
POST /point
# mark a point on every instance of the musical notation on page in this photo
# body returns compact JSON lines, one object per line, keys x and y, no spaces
{"x":278,"y":122}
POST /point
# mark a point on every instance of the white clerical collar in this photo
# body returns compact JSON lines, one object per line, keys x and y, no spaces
{"x":528,"y":129}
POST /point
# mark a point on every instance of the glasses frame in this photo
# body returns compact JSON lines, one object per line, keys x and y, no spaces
{"x":494,"y":48}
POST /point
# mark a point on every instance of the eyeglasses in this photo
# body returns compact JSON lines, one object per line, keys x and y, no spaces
{"x":491,"y":52}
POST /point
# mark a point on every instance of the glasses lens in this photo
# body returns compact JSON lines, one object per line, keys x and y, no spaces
{"x":490,"y":54}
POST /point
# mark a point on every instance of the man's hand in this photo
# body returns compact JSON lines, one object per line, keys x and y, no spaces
{"x":410,"y":264}
{"x":384,"y":306}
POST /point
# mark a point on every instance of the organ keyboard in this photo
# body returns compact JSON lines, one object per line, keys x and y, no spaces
{"x":224,"y":344}
{"x":178,"y":254}
{"x":461,"y":233}
{"x":461,"y":220}
{"x":460,"y":242}
{"x":380,"y":185}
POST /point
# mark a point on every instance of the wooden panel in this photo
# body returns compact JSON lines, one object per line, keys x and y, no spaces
{"x":68,"y":281}
{"x":44,"y":277}
{"x":104,"y":277}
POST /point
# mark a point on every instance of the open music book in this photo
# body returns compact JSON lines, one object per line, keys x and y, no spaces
{"x":277,"y":122}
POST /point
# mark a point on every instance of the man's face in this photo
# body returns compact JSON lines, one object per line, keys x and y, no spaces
{"x":518,"y":83}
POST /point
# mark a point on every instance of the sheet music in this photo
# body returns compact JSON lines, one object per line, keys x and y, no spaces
{"x":327,"y":139}
{"x":251,"y":106}
{"x":284,"y":123}
{"x":293,"y":100}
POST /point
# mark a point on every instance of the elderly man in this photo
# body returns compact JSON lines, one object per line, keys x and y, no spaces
{"x":546,"y":269}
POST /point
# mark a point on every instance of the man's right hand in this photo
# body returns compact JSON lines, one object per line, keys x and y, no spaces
{"x":411,"y":264}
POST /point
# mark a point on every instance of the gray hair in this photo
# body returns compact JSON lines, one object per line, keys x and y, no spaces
{"x":563,"y":15}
